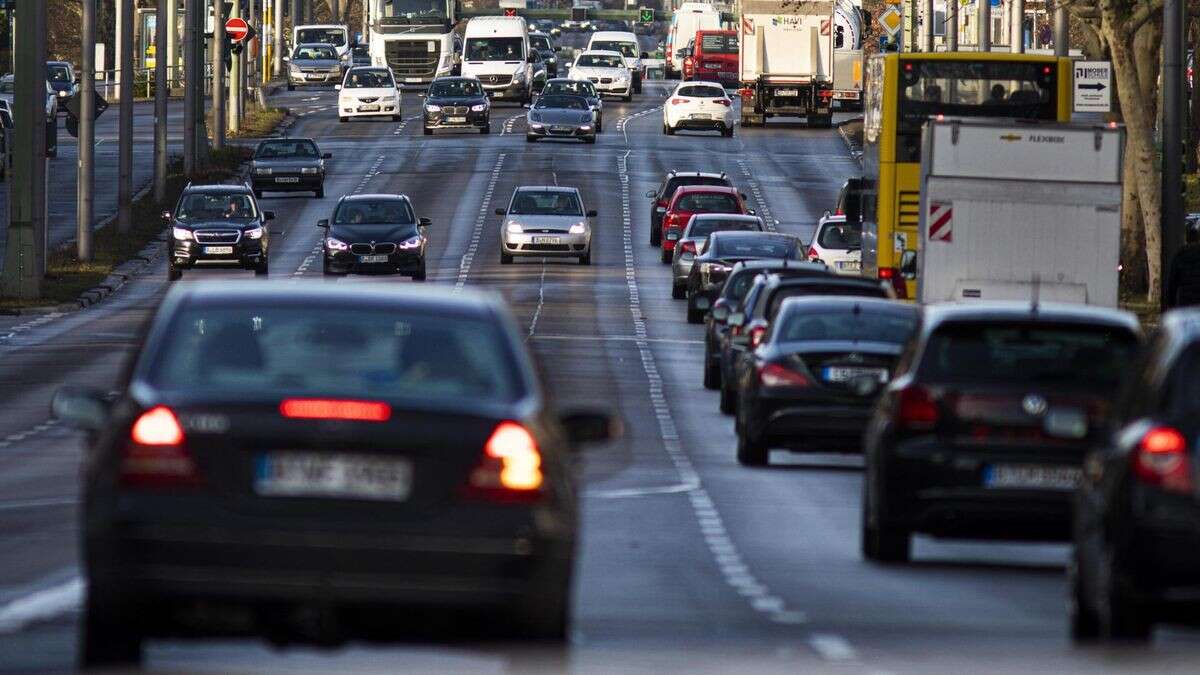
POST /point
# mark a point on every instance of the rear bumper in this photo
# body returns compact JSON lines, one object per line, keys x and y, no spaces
{"x":272,"y":184}
{"x":811,"y":426}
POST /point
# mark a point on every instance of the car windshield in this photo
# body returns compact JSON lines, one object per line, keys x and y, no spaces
{"x":329,"y":36}
{"x":700,"y":91}
{"x":58,"y":73}
{"x":623,"y":48}
{"x":314,"y":54}
{"x":300,"y":148}
{"x":737,"y":285}
{"x":541,"y":42}
{"x":600,"y":61}
{"x":760,"y":246}
{"x":844,"y":324}
{"x":199,"y":206}
{"x":719,"y":44}
{"x":274,"y":352}
{"x":866,"y":289}
{"x":674,"y":184}
{"x":455,"y":89}
{"x":840,"y":236}
{"x":1027,"y":353}
{"x":573,"y":87}
{"x":495,"y":49}
{"x":369,"y":79}
{"x":702,"y":227}
{"x":545,"y":203}
{"x":708,"y":202}
{"x":562,"y":102}
{"x":374,"y":212}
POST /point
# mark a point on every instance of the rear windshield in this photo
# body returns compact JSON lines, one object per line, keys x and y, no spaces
{"x":845,"y":325}
{"x":676,"y":183}
{"x":753,"y":247}
{"x":329,"y":36}
{"x":719,"y":44}
{"x":323,"y":351}
{"x":1027,"y":354}
{"x":738,"y":285}
{"x":698,"y":91}
{"x":702,"y":227}
{"x":809,"y":290}
{"x":843,"y":236}
{"x":708,"y":202}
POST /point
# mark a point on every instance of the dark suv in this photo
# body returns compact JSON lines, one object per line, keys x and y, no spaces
{"x":220,"y":226}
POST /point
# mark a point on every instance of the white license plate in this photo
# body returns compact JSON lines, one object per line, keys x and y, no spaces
{"x":368,"y":108}
{"x":1031,"y":476}
{"x":845,"y":374}
{"x":849,"y":265}
{"x":701,"y":116}
{"x":316,"y":474}
{"x":456,"y":120}
{"x":712,"y":66}
{"x":412,"y":79}
{"x":366,"y":259}
{"x":787,"y":92}
{"x":546,"y":240}
{"x":218,"y":250}
{"x":316,"y":77}
{"x":287,"y":179}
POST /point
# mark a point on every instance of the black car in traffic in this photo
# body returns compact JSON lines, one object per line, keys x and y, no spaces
{"x":288,"y":165}
{"x":217,"y":226}
{"x":983,"y":431}
{"x":314,"y":462}
{"x":375,"y":233}
{"x":721,"y":251}
{"x":456,"y":103}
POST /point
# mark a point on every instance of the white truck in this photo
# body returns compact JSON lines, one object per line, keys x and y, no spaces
{"x":688,"y":18}
{"x":1020,"y":210}
{"x":786,"y":61}
{"x":335,"y":35}
{"x":414,"y":38}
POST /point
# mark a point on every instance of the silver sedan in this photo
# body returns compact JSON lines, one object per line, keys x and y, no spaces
{"x":545,"y":221}
{"x":692,"y":242}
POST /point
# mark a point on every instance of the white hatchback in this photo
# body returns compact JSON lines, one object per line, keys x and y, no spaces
{"x":838,"y":244}
{"x":698,"y":105}
{"x":368,"y":92}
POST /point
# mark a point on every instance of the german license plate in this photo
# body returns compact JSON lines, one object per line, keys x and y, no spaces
{"x":412,"y":79}
{"x":316,"y":474}
{"x":787,"y":92}
{"x":546,"y":240}
{"x":849,"y":265}
{"x":316,"y":77}
{"x":847,"y":373}
{"x":1031,"y":476}
{"x":287,"y":179}
{"x":456,"y":120}
{"x":701,"y":116}
{"x":367,"y":259}
{"x":374,"y":107}
{"x":562,"y":130}
{"x":218,"y":250}
{"x":712,"y":66}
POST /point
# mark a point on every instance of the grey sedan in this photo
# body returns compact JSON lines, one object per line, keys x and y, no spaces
{"x":696,"y":235}
{"x":288,"y":165}
{"x":584,"y":88}
{"x":545,"y":222}
{"x":313,"y":64}
{"x":561,"y":116}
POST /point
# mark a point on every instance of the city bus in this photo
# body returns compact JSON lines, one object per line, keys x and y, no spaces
{"x":902,"y":92}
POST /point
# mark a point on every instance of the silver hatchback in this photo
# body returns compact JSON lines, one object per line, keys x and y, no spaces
{"x":692,"y":242}
{"x":545,"y":221}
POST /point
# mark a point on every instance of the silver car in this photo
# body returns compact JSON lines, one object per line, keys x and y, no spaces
{"x":546,"y":221}
{"x":314,"y":64}
{"x":692,"y":242}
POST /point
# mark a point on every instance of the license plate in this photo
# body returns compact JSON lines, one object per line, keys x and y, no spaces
{"x":849,"y":265}
{"x":412,"y":79}
{"x":726,"y":75}
{"x":316,"y":77}
{"x":845,"y":374}
{"x":701,"y":116}
{"x":368,"y":108}
{"x":546,"y":240}
{"x":1031,"y":476}
{"x":366,"y":259}
{"x":456,"y":120}
{"x":287,"y":179}
{"x":218,"y":250}
{"x":787,"y":92}
{"x":712,"y":66}
{"x":315,"y":474}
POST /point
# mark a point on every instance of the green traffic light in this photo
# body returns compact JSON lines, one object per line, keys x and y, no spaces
{"x":647,"y":16}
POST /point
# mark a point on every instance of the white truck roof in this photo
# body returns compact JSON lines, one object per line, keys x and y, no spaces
{"x":496,"y":25}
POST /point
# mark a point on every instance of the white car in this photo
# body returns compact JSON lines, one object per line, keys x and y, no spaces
{"x":368,"y":92}
{"x":837,"y":244}
{"x":606,"y":71}
{"x":698,"y":105}
{"x":627,"y":44}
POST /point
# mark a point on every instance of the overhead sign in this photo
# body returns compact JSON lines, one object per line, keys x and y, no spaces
{"x":510,"y":11}
{"x":646,"y":15}
{"x":236,"y":29}
{"x":891,"y":20}
{"x":1093,"y":86}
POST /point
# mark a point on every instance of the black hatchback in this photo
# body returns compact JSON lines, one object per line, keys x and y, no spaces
{"x":217,"y":226}
{"x":375,"y":233}
{"x":314,"y":463}
{"x":721,"y":251}
{"x":288,"y":165}
{"x":456,"y":103}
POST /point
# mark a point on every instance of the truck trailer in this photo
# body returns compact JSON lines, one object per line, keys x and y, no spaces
{"x":786,"y":61}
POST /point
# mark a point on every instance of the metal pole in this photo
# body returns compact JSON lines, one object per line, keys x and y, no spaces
{"x":335,"y":9}
{"x":171,"y":23}
{"x":218,"y":82}
{"x":1016,"y":27}
{"x":927,"y":26}
{"x":191,"y":89}
{"x":161,"y":33}
{"x":86,"y":170}
{"x":125,"y":124}
{"x":984,"y":29}
{"x":25,"y":252}
{"x":1172,"y":135}
{"x":277,"y":26}
{"x":952,"y":25}
{"x":119,"y":38}
{"x":1062,"y":29}
{"x":235,"y":79}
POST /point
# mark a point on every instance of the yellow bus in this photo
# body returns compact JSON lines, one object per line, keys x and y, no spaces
{"x":902,"y":92}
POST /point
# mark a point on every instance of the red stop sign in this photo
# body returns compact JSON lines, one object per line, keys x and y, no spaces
{"x":236,"y":29}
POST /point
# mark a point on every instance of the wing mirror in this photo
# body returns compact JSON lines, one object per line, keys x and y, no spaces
{"x":286,"y":59}
{"x":645,"y":55}
{"x":591,"y":214}
{"x":751,"y":212}
{"x":323,"y":223}
{"x":166,"y":216}
{"x":268,"y":215}
{"x":424,"y":222}
{"x":532,"y":58}
{"x":81,"y":408}
{"x":502,"y":212}
{"x":327,"y":155}
{"x":719,"y":312}
{"x":590,"y":426}
{"x":736,"y":319}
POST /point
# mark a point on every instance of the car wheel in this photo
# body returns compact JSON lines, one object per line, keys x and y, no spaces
{"x":712,"y":372}
{"x":727,"y":132}
{"x":291,"y":87}
{"x":678,"y":291}
{"x":544,"y":615}
{"x":655,"y":235}
{"x":751,"y":451}
{"x":694,"y":313}
{"x":505,"y":259}
{"x":321,"y":192}
{"x":670,"y":130}
{"x":1121,"y":618}
{"x":589,"y":140}
{"x":728,"y":403}
{"x":600,"y":126}
{"x":174,"y":273}
{"x":880,"y":543}
{"x":628,"y":98}
{"x":419,"y":275}
{"x":107,"y":639}
{"x":343,"y":120}
{"x":427,"y":131}
{"x":586,"y":259}
{"x":665,"y":257}
{"x":262,"y":268}
{"x":397,"y":118}
{"x":1084,"y":621}
{"x":486,"y":128}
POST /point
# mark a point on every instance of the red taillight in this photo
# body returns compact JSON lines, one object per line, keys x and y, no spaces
{"x":757,"y":334}
{"x":678,"y":101}
{"x":511,"y":467}
{"x":724,"y":101}
{"x":775,"y":375}
{"x":335,"y":409}
{"x":1162,"y":459}
{"x":917,"y":409}
{"x":839,"y":212}
{"x":155,"y":455}
{"x":898,"y":285}
{"x":813,"y":254}
{"x":688,"y":246}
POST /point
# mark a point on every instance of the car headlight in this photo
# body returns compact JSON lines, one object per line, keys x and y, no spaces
{"x":514,"y":228}
{"x":433,"y":108}
{"x":410,"y":243}
{"x":519,"y":76}
{"x":578,"y":228}
{"x":293,"y":67}
{"x":535,"y":126}
{"x":182,"y":234}
{"x":479,"y":108}
{"x":553,"y":61}
{"x":63,"y":94}
{"x":335,"y":69}
{"x":263,"y":171}
{"x":254,"y":233}
{"x":336,"y":245}
{"x":310,"y":170}
{"x":586,"y":118}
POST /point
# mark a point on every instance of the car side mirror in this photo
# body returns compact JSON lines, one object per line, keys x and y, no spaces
{"x":743,"y":196}
{"x":287,"y":59}
{"x":81,"y":408}
{"x":651,"y":194}
{"x":660,"y":209}
{"x":590,"y":426}
{"x":591,"y":214}
{"x":268,"y":215}
{"x":323,"y":223}
{"x":751,"y":212}
{"x":166,"y":216}
{"x":502,"y":212}
{"x":719,"y":312}
{"x":337,"y":87}
{"x":424,"y":222}
{"x":327,"y":155}
{"x":736,"y":319}
{"x":526,"y":106}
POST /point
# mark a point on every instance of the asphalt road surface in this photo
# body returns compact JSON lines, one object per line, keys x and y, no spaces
{"x":687,"y":560}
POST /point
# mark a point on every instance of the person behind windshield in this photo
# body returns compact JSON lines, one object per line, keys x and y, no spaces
{"x":235,"y":209}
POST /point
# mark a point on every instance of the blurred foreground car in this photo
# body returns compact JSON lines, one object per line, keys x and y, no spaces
{"x":245,"y":481}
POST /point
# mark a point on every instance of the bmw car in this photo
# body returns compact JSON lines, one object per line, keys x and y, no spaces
{"x":375,"y":233}
{"x":606,"y":70}
{"x":560,"y":116}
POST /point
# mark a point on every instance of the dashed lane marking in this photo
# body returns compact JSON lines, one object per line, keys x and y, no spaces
{"x":30,"y":325}
{"x":41,"y":605}
{"x":464,"y":265}
{"x":764,"y":209}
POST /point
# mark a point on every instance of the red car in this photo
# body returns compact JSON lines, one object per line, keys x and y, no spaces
{"x":714,"y":57}
{"x":693,"y":199}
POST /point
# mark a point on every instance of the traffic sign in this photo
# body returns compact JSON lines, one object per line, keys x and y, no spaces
{"x":646,"y":15}
{"x":824,"y":26}
{"x":1093,"y":86}
{"x":891,"y":20}
{"x":510,"y":11}
{"x":236,"y":29}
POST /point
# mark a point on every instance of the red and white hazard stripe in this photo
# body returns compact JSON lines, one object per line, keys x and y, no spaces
{"x":941,"y":222}
{"x":747,"y":25}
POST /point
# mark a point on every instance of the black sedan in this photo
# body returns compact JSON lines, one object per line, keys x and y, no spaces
{"x":1137,"y":512}
{"x":456,"y":103}
{"x":804,"y":390}
{"x":722,"y":250}
{"x":312,"y":463}
{"x":376,"y":233}
{"x":217,"y":226}
{"x":983,"y":431}
{"x":288,"y":165}
{"x":560,"y":116}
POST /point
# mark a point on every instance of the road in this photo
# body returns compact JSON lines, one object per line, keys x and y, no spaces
{"x":687,"y":560}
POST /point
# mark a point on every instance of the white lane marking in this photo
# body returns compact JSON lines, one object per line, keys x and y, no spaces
{"x":19,"y":504}
{"x":464,"y":265}
{"x":537,"y":312}
{"x":31,"y":324}
{"x":832,"y":648}
{"x":508,"y":125}
{"x":764,"y":209}
{"x":618,"y":338}
{"x":19,"y":436}
{"x":622,"y":493}
{"x":623,"y":121}
{"x":41,"y":605}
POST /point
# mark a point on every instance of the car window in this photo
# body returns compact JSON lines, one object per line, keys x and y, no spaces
{"x":844,"y":325}
{"x":369,"y":79}
{"x":285,"y":351}
{"x":495,"y":49}
{"x":843,"y":236}
{"x":679,"y":181}
{"x":624,"y":48}
{"x":600,"y":61}
{"x":562,"y":102}
{"x":540,"y":42}
{"x":199,"y":206}
{"x":374,"y":212}
{"x":865,"y":290}
{"x":719,"y":44}
{"x":58,"y":74}
{"x":753,"y":247}
{"x":700,"y":91}
{"x":329,"y":36}
{"x":545,"y":203}
{"x":702,"y":227}
{"x":314,"y":53}
{"x":289,"y":148}
{"x":708,"y":202}
{"x":455,"y":88}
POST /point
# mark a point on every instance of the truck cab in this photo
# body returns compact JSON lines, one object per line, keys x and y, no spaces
{"x":335,"y":35}
{"x":497,"y":52}
{"x":414,"y":38}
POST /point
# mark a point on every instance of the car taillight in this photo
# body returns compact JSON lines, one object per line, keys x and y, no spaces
{"x":672,"y":220}
{"x":891,"y":274}
{"x":724,"y":101}
{"x":916,"y":409}
{"x":678,"y":101}
{"x":511,"y":467}
{"x":155,"y":455}
{"x":839,"y":212}
{"x":757,"y":334}
{"x":688,"y":246}
{"x":813,"y":254}
{"x":1161,"y":459}
{"x":775,"y":375}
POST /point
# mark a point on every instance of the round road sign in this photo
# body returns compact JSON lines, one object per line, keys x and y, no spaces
{"x":236,"y":29}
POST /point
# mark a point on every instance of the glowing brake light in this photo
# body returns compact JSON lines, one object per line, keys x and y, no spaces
{"x":511,"y":466}
{"x":916,"y":409}
{"x":157,"y":426}
{"x":756,"y":336}
{"x":724,"y":101}
{"x":1162,"y":459}
{"x":155,"y":456}
{"x":688,"y":246}
{"x":678,"y":101}
{"x":335,"y":409}
{"x":775,"y":375}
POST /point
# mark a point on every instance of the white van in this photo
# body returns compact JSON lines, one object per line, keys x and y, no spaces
{"x":335,"y":35}
{"x":627,"y":45}
{"x":689,"y":18}
{"x":496,"y":51}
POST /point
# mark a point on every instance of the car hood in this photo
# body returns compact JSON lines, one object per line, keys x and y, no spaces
{"x":217,"y":223}
{"x":551,"y":223}
{"x":456,"y":100}
{"x":367,"y":92}
{"x":316,"y":63}
{"x":591,"y":71}
{"x":561,"y":115}
{"x":376,"y":233}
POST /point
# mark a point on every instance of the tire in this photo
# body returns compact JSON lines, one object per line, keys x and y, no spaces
{"x":505,"y":259}
{"x":263,"y":268}
{"x":1084,"y":620}
{"x":628,"y":98}
{"x":343,"y":120}
{"x":291,"y":87}
{"x":486,"y":128}
{"x":1121,"y":618}
{"x":586,"y":259}
{"x":419,"y":275}
{"x":397,"y":118}
{"x":665,"y":257}
{"x":727,"y":133}
{"x":321,"y":192}
{"x":728,"y":402}
{"x":544,"y":616}
{"x":637,"y":85}
{"x":427,"y":131}
{"x":694,"y":314}
{"x":712,"y":373}
{"x":590,"y":140}
{"x":751,"y":451}
{"x":600,"y":126}
{"x":655,"y":235}
{"x":174,"y":273}
{"x":678,"y":291}
{"x":880,"y":543}
{"x":107,"y":638}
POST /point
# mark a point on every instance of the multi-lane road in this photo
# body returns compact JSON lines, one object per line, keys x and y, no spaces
{"x":687,"y":560}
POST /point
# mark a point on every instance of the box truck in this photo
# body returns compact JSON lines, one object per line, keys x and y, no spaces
{"x":786,"y":61}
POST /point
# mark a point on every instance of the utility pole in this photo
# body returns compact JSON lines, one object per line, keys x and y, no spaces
{"x":125,"y":124}
{"x":277,"y":26}
{"x":1016,"y":27}
{"x":927,"y":27}
{"x":1172,"y":136}
{"x":984,"y":29}
{"x":335,"y":8}
{"x":193,"y":75}
{"x":162,"y":22}
{"x":25,"y":253}
{"x":86,"y":170}
{"x":218,"y":82}
{"x":1062,"y":29}
{"x":952,"y":26}
{"x":170,"y":23}
{"x":119,"y":38}
{"x":236,"y":85}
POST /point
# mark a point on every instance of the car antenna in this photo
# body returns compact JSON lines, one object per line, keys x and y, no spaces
{"x":1036,"y":294}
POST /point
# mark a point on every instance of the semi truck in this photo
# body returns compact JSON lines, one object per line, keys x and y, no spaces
{"x":786,"y":61}
{"x":1019,"y":211}
{"x":414,"y":38}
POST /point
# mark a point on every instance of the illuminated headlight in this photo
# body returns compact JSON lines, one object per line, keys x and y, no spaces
{"x":410,"y":243}
{"x":535,"y":126}
{"x":514,"y":228}
{"x":293,"y":68}
{"x":63,"y":94}
{"x":479,"y":108}
{"x":578,"y":228}
{"x":585,"y":127}
{"x":263,"y":171}
{"x":254,"y":233}
{"x":336,"y":245}
{"x":182,"y":234}
{"x":433,"y":108}
{"x":310,"y":170}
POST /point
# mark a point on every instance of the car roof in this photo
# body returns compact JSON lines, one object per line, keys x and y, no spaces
{"x":614,"y":35}
{"x":728,"y":216}
{"x":1009,"y":310}
{"x":218,"y":188}
{"x":315,"y":44}
{"x":734,"y":234}
{"x":452,"y":78}
{"x":311,"y":292}
{"x":723,"y":189}
{"x":374,"y":196}
{"x":774,"y":264}
{"x":383,"y":68}
{"x":820,"y":303}
{"x":545,"y":188}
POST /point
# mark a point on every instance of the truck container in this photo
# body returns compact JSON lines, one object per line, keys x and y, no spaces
{"x":786,"y":61}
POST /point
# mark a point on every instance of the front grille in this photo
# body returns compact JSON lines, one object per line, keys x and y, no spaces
{"x":495,"y":79}
{"x":412,"y":59}
{"x":218,"y":236}
{"x":455,"y":110}
{"x":369,"y":99}
{"x":908,"y":209}
{"x":546,"y":247}
{"x":606,"y":80}
{"x":375,"y":249}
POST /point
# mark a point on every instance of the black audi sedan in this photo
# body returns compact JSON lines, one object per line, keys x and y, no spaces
{"x":983,"y":431}
{"x":311,"y":462}
{"x":1137,"y":511}
{"x":721,"y":251}
{"x":288,"y":165}
{"x":804,"y":389}
{"x":217,"y":226}
{"x":456,"y":103}
{"x":375,"y":233}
